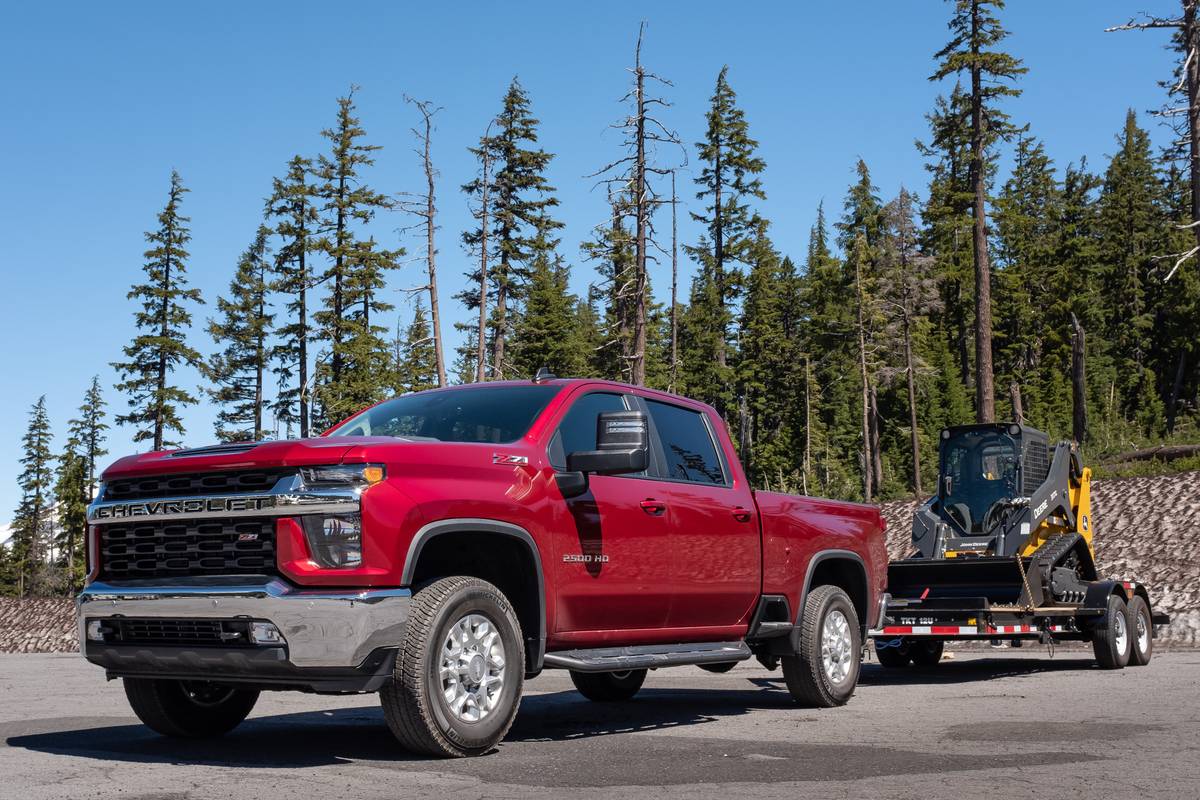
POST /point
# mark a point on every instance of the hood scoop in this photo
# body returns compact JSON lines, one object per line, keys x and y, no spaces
{"x":228,"y":449}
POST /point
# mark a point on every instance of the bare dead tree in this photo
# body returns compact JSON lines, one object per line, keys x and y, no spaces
{"x":643,"y":132}
{"x":476,"y":243}
{"x":1078,"y":384}
{"x":1184,"y":118}
{"x":425,"y":209}
{"x":674,"y":374}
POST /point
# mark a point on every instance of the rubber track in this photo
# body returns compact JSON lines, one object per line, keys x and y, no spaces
{"x":806,"y":675}
{"x":405,"y":703}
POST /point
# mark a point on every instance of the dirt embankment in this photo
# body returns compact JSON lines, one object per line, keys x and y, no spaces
{"x":1146,"y":529}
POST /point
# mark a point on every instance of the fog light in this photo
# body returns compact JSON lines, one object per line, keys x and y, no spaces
{"x":95,"y":631}
{"x":335,"y":541}
{"x":265,"y":633}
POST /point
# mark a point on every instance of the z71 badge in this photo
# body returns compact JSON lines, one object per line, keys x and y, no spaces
{"x":505,"y":458}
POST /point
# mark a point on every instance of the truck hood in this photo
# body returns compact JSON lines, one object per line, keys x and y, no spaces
{"x":248,"y":455}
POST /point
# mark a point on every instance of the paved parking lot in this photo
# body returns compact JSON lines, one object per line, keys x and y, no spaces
{"x":996,"y":725}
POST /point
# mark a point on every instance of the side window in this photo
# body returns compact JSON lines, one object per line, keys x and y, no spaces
{"x":687,"y":444}
{"x":577,"y":431}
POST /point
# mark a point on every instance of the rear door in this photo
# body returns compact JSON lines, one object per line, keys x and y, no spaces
{"x":613,"y":555}
{"x":715,"y":543}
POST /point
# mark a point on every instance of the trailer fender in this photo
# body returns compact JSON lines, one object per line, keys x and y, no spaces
{"x":1097,"y":596}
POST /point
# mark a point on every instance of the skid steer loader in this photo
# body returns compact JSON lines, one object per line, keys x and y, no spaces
{"x":1004,"y":551}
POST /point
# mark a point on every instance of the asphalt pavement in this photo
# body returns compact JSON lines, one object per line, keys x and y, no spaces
{"x":995,"y":725}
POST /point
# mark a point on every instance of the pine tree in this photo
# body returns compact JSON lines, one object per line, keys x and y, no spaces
{"x":86,"y":435}
{"x":164,"y":320}
{"x":519,"y":201}
{"x":293,"y":204}
{"x":728,"y":180}
{"x":1131,"y":227}
{"x":546,"y":334}
{"x":357,"y":355}
{"x":70,"y":489}
{"x":238,"y":370}
{"x":908,"y":293}
{"x":614,"y":294}
{"x":414,"y":357}
{"x":32,"y":518}
{"x":975,"y":29}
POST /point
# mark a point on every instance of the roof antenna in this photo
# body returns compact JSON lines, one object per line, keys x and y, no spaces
{"x":544,"y":374}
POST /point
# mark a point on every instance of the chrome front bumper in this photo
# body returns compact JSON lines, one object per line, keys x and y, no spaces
{"x":329,"y":628}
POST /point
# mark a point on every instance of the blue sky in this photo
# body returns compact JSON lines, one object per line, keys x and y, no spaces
{"x":101,"y":101}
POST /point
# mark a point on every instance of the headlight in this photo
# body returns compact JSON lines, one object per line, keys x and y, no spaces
{"x":343,"y":475}
{"x":335,"y":541}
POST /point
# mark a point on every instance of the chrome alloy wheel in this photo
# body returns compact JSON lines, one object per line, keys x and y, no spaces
{"x":837,"y":646}
{"x":1122,"y":633}
{"x":472,"y":668}
{"x":1142,"y":631}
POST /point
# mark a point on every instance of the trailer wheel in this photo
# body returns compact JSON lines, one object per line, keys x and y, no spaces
{"x":893,"y":653}
{"x":927,"y":653}
{"x":825,"y":672}
{"x":1141,"y":630}
{"x":1112,"y":641}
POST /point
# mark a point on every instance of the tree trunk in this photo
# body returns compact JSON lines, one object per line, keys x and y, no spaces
{"x":1191,"y":47}
{"x":302,"y":336}
{"x":1014,"y":395}
{"x":875,"y":450}
{"x":985,"y":402}
{"x":674,"y":289}
{"x":807,"y":420}
{"x":641,"y":200}
{"x":161,"y":382}
{"x":435,"y":318}
{"x":1176,"y":388}
{"x":1078,"y":384}
{"x":914,"y":434}
{"x":481,"y":345}
{"x":868,"y":466}
{"x":719,"y":257}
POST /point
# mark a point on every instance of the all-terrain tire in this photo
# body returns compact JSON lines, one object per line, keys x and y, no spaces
{"x":927,"y":653}
{"x":608,"y":687}
{"x":188,"y":709}
{"x":1141,"y":632}
{"x":828,"y":615}
{"x":414,"y":700}
{"x":894,"y":653}
{"x":719,"y":669}
{"x":1112,"y":641}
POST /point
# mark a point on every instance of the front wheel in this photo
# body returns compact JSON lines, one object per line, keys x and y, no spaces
{"x":1111,"y":641}
{"x":825,"y":672}
{"x":1141,"y":630}
{"x":188,"y":709}
{"x":458,"y":676}
{"x":608,"y":687}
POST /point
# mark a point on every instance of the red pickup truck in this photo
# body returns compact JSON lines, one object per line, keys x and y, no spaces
{"x":442,"y":547}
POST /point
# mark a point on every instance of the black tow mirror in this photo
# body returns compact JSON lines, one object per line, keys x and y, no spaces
{"x":622,"y":445}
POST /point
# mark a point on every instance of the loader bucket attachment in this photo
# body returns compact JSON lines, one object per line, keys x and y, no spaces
{"x":996,"y":579}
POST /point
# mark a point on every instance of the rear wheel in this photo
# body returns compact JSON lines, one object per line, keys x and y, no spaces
{"x":825,"y":672}
{"x":893,"y":653}
{"x":1141,"y":631}
{"x":1111,"y":641}
{"x":188,"y":709}
{"x":927,"y":653}
{"x":608,"y":687}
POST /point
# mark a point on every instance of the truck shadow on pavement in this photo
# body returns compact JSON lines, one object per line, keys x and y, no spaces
{"x":318,"y":738}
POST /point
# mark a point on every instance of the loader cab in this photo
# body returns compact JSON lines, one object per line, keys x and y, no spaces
{"x":981,"y":465}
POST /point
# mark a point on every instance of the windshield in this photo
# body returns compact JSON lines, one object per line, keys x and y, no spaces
{"x":978,"y":469}
{"x":494,"y":414}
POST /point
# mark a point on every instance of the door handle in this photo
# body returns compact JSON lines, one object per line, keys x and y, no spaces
{"x":655,"y":508}
{"x":742,"y":514}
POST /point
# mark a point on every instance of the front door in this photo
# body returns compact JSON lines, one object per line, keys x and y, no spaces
{"x":613,"y":555}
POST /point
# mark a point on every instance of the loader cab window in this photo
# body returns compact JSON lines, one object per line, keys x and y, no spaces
{"x":979,"y":468}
